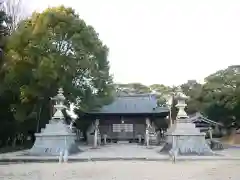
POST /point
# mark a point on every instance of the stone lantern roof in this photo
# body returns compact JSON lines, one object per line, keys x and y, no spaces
{"x":181,"y":96}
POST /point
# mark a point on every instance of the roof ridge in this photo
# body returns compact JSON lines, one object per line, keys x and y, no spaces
{"x":133,"y":103}
{"x":205,"y":119}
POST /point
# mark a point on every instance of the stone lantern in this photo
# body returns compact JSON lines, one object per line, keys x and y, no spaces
{"x":181,"y":105}
{"x":183,"y":137}
{"x":57,"y":138}
{"x":59,"y":106}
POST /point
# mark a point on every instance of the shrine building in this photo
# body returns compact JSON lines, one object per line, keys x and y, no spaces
{"x":126,"y":118}
{"x":129,"y":115}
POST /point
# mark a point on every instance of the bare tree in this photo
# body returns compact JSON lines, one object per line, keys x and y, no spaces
{"x":14,"y":9}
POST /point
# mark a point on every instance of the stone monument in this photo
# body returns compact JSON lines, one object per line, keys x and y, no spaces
{"x":183,"y":137}
{"x":93,"y":134}
{"x":57,"y":137}
{"x":96,"y":134}
{"x":147,"y":132}
{"x":150,"y":133}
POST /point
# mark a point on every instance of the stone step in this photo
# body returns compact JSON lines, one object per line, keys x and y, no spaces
{"x":123,"y":142}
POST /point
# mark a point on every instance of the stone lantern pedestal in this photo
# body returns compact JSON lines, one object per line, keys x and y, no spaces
{"x":57,"y":137}
{"x":183,"y":137}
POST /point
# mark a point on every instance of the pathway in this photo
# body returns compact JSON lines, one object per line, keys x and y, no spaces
{"x":119,"y":151}
{"x":122,"y":151}
{"x":123,"y":170}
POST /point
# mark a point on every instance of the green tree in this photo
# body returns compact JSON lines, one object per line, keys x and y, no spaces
{"x":163,"y":92}
{"x":160,"y":88}
{"x":8,"y":123}
{"x":4,"y":19}
{"x":220,"y":95}
{"x":55,"y":49}
{"x":15,"y":12}
{"x":135,"y":88}
{"x":193,"y":90}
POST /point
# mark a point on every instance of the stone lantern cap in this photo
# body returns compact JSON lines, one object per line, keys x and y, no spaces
{"x":181,"y":96}
{"x":59,"y":96}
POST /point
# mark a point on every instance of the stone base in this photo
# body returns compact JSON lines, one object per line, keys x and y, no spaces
{"x":90,"y":139}
{"x":166,"y":148}
{"x":215,"y":145}
{"x":189,"y":145}
{"x":183,"y":138}
{"x":55,"y":138}
{"x":52,"y":145}
{"x":153,"y":139}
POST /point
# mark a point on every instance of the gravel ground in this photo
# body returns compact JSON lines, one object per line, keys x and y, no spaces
{"x":123,"y":170}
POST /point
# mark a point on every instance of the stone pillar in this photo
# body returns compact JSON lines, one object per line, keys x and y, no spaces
{"x":60,"y":158}
{"x":65,"y":156}
{"x":147,"y":132}
{"x":139,"y":138}
{"x":153,"y":126}
{"x":210,"y":133}
{"x":217,"y":130}
{"x":99,"y":139}
{"x":147,"y":138}
{"x":170,"y":116}
{"x":95,"y":141}
{"x":158,"y":137}
{"x":78,"y":134}
{"x":169,"y":105}
{"x":105,"y":138}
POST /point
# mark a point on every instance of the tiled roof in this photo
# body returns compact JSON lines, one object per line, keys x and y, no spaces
{"x":133,"y":104}
{"x":198,"y":117}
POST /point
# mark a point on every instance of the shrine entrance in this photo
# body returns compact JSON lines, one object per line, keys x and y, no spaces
{"x":123,"y":131}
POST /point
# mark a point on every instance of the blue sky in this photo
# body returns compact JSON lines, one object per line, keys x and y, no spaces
{"x":162,"y":41}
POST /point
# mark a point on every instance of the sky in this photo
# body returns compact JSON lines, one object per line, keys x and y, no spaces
{"x":161,"y":41}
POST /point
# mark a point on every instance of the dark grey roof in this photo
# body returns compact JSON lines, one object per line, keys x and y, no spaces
{"x":133,"y":104}
{"x":198,"y":117}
